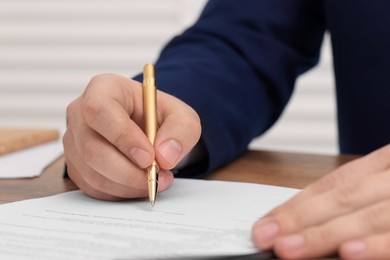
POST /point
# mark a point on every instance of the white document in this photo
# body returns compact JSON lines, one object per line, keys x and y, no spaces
{"x":193,"y":218}
{"x":29,"y":162}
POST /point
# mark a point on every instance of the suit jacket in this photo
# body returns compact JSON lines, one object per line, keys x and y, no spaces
{"x":237,"y":65}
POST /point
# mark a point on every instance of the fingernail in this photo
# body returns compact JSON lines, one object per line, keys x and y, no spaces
{"x":266,"y":232}
{"x":140,"y":157}
{"x":354,"y":249}
{"x":292,"y":242}
{"x":170,"y":150}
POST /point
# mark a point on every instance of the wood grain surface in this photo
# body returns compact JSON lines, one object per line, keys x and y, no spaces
{"x":295,"y":170}
{"x":14,"y":139}
{"x":275,"y":168}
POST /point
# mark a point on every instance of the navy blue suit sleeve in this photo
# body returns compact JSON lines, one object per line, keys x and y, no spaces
{"x":236,"y":66}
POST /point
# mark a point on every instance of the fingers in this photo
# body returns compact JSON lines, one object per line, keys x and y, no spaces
{"x":331,"y":204}
{"x":348,"y":174}
{"x":178,"y":133}
{"x":104,"y":158}
{"x":103,"y":172}
{"x":95,"y":185}
{"x":325,"y":239}
{"x":112,"y":106}
{"x":72,"y":157}
{"x":370,"y":247}
{"x":317,"y":224}
{"x":85,"y":187}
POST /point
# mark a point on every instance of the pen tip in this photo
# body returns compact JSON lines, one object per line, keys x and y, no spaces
{"x":152,"y":183}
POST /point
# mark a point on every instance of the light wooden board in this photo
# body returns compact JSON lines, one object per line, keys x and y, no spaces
{"x":14,"y":139}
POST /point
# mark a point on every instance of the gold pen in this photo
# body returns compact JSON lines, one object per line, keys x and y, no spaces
{"x":150,"y":115}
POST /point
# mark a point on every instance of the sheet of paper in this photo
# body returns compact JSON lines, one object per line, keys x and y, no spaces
{"x":29,"y":162}
{"x":193,"y":218}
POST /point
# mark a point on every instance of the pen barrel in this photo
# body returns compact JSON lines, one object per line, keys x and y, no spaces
{"x":150,"y":103}
{"x":150,"y":117}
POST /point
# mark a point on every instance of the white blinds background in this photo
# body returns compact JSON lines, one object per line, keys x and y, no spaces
{"x":49,"y":49}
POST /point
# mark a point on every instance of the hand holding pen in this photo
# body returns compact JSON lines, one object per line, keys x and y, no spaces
{"x":106,"y":149}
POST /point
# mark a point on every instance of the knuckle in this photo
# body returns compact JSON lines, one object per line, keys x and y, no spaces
{"x":376,"y":217}
{"x":99,"y":78}
{"x":344,"y":196}
{"x":119,"y":137}
{"x":122,"y":136}
{"x":70,"y":109}
{"x":292,"y":221}
{"x":91,"y":109}
{"x":320,"y":236}
{"x":325,"y":184}
{"x":70,"y":112}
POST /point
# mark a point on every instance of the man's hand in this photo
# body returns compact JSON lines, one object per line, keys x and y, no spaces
{"x":105,"y":147}
{"x":347,"y":211}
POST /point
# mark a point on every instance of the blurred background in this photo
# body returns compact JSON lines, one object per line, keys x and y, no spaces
{"x":49,"y":49}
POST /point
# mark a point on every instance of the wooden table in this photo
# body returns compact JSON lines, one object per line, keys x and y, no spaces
{"x":276,"y":168}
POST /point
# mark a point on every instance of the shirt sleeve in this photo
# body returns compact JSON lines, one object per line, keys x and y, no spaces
{"x":237,"y":65}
